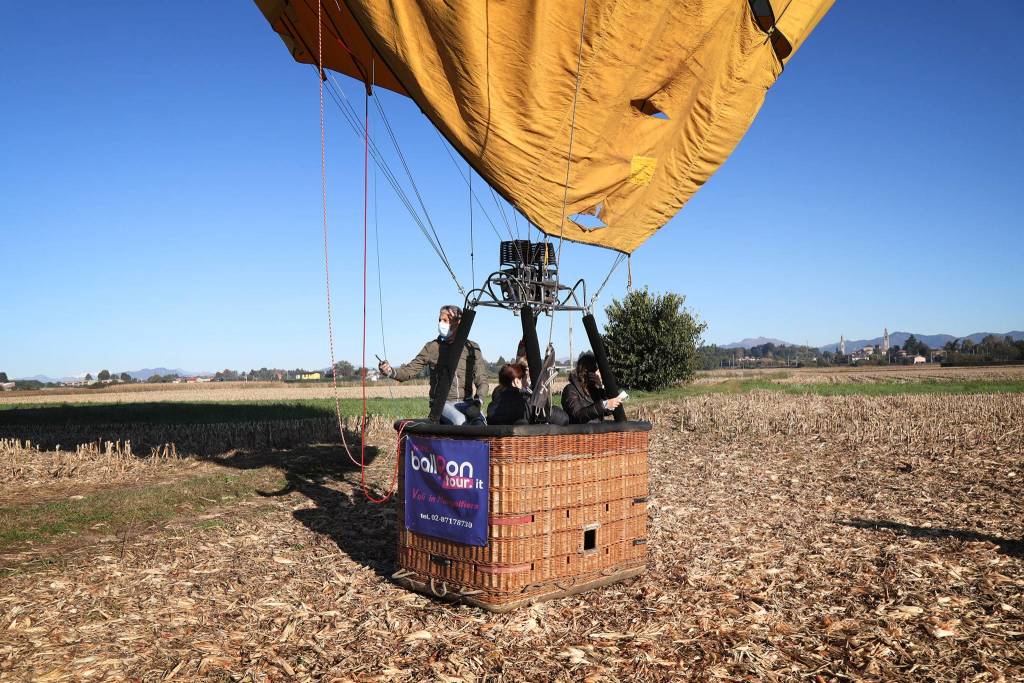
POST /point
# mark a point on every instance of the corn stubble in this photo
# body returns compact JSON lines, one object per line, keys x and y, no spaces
{"x":810,"y":537}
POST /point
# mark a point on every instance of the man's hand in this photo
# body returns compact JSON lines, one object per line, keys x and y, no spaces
{"x":385,"y":368}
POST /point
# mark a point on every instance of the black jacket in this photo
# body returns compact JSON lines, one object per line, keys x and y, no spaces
{"x":507,"y":407}
{"x":582,"y":407}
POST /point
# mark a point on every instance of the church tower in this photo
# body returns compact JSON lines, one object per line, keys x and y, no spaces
{"x":885,"y":341}
{"x":842,"y":346}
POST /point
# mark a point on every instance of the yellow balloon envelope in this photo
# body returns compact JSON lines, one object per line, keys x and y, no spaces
{"x":666,"y":90}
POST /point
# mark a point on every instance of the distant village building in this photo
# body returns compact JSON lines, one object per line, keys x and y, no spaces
{"x":920,"y":359}
{"x":842,"y":346}
{"x":863,"y":353}
{"x":309,"y":376}
{"x":7,"y":386}
{"x":885,"y":341}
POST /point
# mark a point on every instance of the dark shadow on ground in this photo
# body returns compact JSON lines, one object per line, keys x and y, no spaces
{"x":1006,"y":546}
{"x":363,"y":530}
{"x":163,"y":412}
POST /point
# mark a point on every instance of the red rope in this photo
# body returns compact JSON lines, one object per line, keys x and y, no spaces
{"x":361,"y":463}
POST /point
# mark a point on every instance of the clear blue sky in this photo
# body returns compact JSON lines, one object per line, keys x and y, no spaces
{"x":160,"y":195}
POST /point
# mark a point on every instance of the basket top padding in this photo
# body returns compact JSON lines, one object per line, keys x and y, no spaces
{"x":425,"y":428}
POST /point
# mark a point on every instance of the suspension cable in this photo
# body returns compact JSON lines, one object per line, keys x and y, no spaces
{"x":381,"y":163}
{"x":568,"y":159}
{"x":444,"y":143}
{"x":615,"y":265}
{"x":472,"y":256}
{"x":408,"y":173}
{"x":323,"y":202}
{"x":352,"y":119}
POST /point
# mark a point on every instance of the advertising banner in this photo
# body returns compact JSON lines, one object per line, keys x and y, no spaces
{"x":447,"y":483}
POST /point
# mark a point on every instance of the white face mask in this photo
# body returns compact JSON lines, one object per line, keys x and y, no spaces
{"x":443,"y":329}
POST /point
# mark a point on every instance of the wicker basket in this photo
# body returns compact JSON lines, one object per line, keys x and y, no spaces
{"x":568,"y":512}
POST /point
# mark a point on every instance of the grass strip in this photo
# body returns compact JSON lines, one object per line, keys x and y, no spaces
{"x":116,"y":509}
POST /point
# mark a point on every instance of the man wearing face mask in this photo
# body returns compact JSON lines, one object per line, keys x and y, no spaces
{"x":469,"y":384}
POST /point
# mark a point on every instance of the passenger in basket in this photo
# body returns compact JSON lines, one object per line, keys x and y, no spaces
{"x":463,"y":403}
{"x":555,"y":415}
{"x":584,"y":398}
{"x":508,"y":404}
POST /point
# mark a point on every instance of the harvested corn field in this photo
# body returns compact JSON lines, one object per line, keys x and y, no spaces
{"x":817,"y":537}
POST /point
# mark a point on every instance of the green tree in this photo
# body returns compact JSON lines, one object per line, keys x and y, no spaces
{"x":88,"y":377}
{"x":125,"y":377}
{"x":3,"y":377}
{"x":652,"y":340}
{"x":104,"y":375}
{"x":344,"y":369}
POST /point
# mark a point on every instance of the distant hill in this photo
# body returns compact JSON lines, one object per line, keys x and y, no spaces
{"x":145,"y":373}
{"x":141,"y":375}
{"x":37,"y":378}
{"x":756,"y":341}
{"x":935,"y":341}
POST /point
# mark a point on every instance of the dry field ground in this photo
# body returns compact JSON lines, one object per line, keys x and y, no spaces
{"x":868,"y":374}
{"x":212,"y":391}
{"x":276,"y":391}
{"x":791,"y":537}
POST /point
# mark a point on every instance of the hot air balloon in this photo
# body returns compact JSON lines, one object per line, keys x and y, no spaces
{"x":597,"y":120}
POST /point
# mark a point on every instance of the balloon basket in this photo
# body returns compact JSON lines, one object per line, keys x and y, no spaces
{"x":567,"y":512}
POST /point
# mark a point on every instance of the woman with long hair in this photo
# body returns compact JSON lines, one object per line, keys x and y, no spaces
{"x":508,"y":403}
{"x":584,"y":398}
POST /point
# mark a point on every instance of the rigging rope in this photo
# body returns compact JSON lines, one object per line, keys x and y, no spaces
{"x":327,"y":269}
{"x":472,"y":257}
{"x":352,"y":119}
{"x":361,"y":463}
{"x":568,"y":161}
{"x":615,"y":265}
{"x":444,"y":143}
{"x":415,"y":188}
{"x":393,"y":485}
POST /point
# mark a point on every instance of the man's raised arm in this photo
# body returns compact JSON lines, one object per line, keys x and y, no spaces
{"x":413,"y":367}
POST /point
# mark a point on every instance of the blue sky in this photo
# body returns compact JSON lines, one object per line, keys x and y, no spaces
{"x":160,"y":196}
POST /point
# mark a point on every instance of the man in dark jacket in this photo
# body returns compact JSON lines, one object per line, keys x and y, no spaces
{"x":584,"y":398}
{"x":469,"y":383}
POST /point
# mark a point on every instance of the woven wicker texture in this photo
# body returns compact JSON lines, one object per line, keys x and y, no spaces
{"x":566,"y":511}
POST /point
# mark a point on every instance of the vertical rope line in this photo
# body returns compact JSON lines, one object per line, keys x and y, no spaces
{"x":389,"y":491}
{"x":366,"y":208}
{"x":380,"y":284}
{"x":568,"y":163}
{"x":472,"y":258}
{"x":323,"y":202}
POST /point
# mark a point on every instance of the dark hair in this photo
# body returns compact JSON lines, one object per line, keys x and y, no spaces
{"x":453,"y":311}
{"x":508,"y":373}
{"x":586,"y":365}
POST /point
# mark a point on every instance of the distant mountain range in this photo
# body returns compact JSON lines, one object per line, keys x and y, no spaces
{"x":141,"y":375}
{"x":935,"y":341}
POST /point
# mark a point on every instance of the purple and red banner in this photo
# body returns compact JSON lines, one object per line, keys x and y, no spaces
{"x":447,"y":484}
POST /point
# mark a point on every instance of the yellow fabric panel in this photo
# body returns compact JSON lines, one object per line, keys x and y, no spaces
{"x":797,"y":19}
{"x":497,"y":77}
